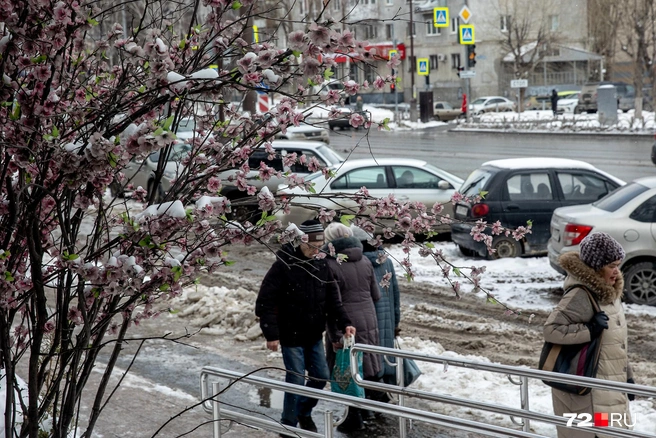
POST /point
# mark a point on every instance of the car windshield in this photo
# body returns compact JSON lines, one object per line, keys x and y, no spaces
{"x":186,"y":125}
{"x":479,"y":101}
{"x":619,"y":197}
{"x":474,"y":184}
{"x":332,"y":156}
{"x":178,"y":152}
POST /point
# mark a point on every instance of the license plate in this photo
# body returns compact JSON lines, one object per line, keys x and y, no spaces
{"x":461,"y":210}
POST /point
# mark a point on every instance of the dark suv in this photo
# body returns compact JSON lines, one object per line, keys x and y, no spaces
{"x":520,"y":190}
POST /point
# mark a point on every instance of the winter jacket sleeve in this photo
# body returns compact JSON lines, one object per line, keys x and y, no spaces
{"x":334,"y":308}
{"x":266,"y":305}
{"x":566,"y":323}
{"x":373,"y":284}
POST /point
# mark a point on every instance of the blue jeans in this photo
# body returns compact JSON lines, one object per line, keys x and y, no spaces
{"x":299,"y":359}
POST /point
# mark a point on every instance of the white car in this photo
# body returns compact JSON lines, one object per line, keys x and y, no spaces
{"x":490,"y":104}
{"x":305,"y":132}
{"x":567,"y":104}
{"x":406,"y":179}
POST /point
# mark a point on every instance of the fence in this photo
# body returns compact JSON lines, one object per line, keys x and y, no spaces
{"x":211,"y":396}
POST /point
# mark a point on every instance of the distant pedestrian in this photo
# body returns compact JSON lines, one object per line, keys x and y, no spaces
{"x":463,"y":108}
{"x":297,"y":297}
{"x":554,"y":102}
{"x":359,"y":105}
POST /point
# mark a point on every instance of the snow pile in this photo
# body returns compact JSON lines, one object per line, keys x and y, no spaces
{"x":221,"y":311}
{"x":544,"y":121}
{"x":377,"y":114}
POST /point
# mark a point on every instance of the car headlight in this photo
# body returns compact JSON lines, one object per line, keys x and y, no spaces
{"x":169,"y":174}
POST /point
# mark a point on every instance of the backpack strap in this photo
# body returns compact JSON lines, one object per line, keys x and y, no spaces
{"x":593,"y":299}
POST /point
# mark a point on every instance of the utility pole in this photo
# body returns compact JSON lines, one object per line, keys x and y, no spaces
{"x":413,"y":66}
{"x":250,"y":98}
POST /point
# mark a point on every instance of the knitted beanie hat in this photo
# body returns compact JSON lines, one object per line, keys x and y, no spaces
{"x":313,"y":229}
{"x":599,"y":249}
{"x":336,"y":230}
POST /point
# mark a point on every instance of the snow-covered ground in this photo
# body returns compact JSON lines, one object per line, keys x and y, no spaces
{"x":231,"y":312}
{"x":544,"y":121}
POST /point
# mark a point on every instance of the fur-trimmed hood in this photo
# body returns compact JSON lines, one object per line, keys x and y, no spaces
{"x":350,"y":246}
{"x":579,"y":272}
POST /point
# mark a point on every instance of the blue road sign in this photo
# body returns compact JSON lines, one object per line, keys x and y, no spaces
{"x":422,"y":66}
{"x":441,"y":17}
{"x":466,"y":32}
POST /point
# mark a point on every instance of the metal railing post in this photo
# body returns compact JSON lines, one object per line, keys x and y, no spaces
{"x":523,"y":395}
{"x":216,"y":409}
{"x":328,"y":421}
{"x":400,"y":381}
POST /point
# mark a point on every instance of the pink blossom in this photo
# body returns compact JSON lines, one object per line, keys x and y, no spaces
{"x":319,"y":35}
{"x":351,"y":87}
{"x":356,"y":120}
{"x":297,"y":41}
{"x":214,"y":184}
{"x":379,"y":83}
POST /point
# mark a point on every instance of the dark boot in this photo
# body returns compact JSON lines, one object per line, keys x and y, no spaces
{"x":307,"y":423}
{"x":353,"y":421}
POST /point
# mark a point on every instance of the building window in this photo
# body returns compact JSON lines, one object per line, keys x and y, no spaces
{"x":455,"y":23}
{"x":370,"y":31}
{"x":337,"y":5}
{"x":369,"y":2}
{"x":433,"y":62}
{"x":389,"y":31}
{"x":553,"y":22}
{"x":390,"y":2}
{"x":413,"y":64}
{"x":412,"y":32}
{"x":505,"y":23}
{"x":431,"y":30}
{"x":455,"y":61}
{"x":303,"y":6}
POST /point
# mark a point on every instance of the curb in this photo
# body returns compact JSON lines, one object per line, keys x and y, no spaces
{"x":538,"y":132}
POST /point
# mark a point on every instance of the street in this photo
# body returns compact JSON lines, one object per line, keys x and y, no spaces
{"x":626,"y":157}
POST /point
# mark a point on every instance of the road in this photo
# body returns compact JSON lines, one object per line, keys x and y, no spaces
{"x":626,"y":157}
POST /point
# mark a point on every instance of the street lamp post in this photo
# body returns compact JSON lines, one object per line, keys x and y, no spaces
{"x":413,"y":99}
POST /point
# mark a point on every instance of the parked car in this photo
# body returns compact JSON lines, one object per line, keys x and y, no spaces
{"x":627,"y":102}
{"x":344,"y":119}
{"x":305,"y":132}
{"x":244,"y":206}
{"x":567,"y":103}
{"x":407,"y":179}
{"x":523,"y":189}
{"x":443,"y":111}
{"x":142,"y":172}
{"x":491,"y":104}
{"x":629,"y":215}
{"x":588,"y":99}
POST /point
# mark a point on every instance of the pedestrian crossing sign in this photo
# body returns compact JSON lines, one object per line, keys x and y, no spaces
{"x":466,"y":32}
{"x":441,"y":17}
{"x":422,"y":66}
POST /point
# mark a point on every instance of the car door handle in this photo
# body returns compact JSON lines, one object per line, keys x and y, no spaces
{"x":512,"y":207}
{"x":403,"y":198}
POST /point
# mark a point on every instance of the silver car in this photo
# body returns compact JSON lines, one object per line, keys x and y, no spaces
{"x":407,"y":179}
{"x":141,"y":173}
{"x":629,"y":215}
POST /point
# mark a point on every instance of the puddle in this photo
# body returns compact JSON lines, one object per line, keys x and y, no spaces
{"x":268,"y":398}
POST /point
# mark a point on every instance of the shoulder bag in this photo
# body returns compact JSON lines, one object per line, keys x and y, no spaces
{"x":577,"y":359}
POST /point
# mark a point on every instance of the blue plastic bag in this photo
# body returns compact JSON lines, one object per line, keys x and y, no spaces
{"x":341,"y":379}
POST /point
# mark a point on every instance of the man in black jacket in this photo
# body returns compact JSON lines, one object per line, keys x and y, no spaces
{"x":297,"y":295}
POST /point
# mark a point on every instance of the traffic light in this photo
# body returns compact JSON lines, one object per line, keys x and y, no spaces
{"x":392,"y":87}
{"x":471,"y":56}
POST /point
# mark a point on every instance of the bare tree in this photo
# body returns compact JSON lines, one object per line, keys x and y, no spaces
{"x":527,"y":37}
{"x":638,"y":20}
{"x":604,"y":24}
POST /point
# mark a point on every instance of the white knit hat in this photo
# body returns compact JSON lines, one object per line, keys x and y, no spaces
{"x":336,"y":231}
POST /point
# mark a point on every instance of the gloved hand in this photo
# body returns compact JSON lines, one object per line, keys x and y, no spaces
{"x":631,"y":396}
{"x":597,"y":324}
{"x":397,"y":331}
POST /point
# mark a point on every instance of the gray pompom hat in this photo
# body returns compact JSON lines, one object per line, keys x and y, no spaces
{"x":600,"y":249}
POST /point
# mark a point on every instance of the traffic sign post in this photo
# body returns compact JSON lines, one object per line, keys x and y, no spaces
{"x":422,"y":67}
{"x":465,"y":14}
{"x":466,"y":33}
{"x":519,"y":83}
{"x":441,"y":17}
{"x":467,"y":74}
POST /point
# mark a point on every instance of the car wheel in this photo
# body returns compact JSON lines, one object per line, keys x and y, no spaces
{"x":466,"y":251}
{"x":640,"y":283}
{"x":505,"y":247}
{"x":331,"y":127}
{"x":159,"y":195}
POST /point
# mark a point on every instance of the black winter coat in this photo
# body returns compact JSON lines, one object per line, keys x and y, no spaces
{"x":297,"y":297}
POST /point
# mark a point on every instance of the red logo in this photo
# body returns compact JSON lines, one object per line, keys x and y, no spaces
{"x":601,"y":419}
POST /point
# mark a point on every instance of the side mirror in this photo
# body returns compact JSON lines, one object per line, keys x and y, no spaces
{"x":443,"y":185}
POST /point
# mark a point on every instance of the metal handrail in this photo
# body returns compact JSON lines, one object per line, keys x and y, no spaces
{"x":526,"y":414}
{"x":384,"y":408}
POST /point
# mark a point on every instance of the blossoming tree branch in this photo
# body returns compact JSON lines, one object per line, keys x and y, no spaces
{"x":92,"y":87}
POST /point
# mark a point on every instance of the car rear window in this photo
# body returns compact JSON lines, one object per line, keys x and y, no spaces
{"x":475,"y":183}
{"x":619,"y":197}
